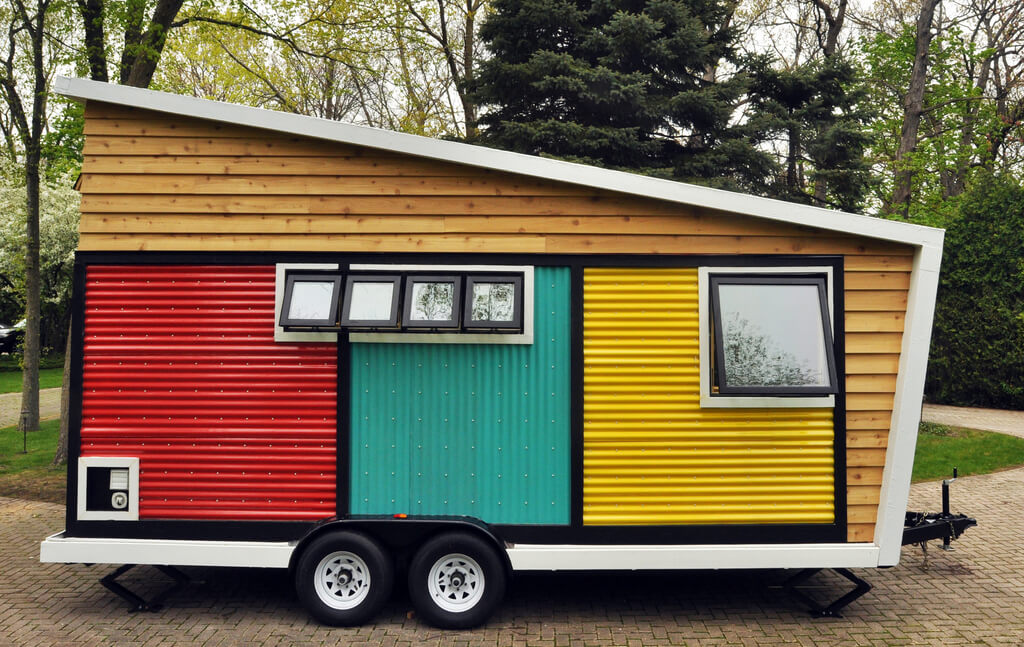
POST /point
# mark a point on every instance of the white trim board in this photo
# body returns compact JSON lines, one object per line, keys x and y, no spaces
{"x":489,"y":158}
{"x":524,"y":557}
{"x":171,"y":552}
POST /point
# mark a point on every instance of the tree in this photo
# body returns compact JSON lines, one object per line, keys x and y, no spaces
{"x":143,"y":39}
{"x":58,"y":236}
{"x":451,"y":26}
{"x":619,"y":84}
{"x":376,"y":64}
{"x":913,"y":108}
{"x":819,"y":112}
{"x":28,"y":61}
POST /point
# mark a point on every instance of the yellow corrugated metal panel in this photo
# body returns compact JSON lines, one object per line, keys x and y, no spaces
{"x":651,"y":455}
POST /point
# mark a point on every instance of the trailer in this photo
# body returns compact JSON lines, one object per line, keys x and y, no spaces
{"x":350,"y":352}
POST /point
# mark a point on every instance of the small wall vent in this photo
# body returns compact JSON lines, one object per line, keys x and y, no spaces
{"x":108,"y":488}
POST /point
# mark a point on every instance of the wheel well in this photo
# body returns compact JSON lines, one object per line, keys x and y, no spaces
{"x":403,"y":536}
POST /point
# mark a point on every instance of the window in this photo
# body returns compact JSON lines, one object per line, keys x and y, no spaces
{"x":771,"y":335}
{"x":432,"y":302}
{"x":311,"y":300}
{"x":378,"y":303}
{"x":522,"y":276}
{"x":493,"y":303}
{"x":766,"y":337}
{"x":371,"y":301}
{"x":293,"y":335}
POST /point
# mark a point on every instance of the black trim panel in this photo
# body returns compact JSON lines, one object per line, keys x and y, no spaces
{"x":575,"y":532}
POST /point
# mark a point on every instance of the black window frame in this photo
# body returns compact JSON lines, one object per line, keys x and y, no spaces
{"x":487,"y":325}
{"x":293,"y":276}
{"x":390,"y":324}
{"x":718,"y":353}
{"x":411,"y":279}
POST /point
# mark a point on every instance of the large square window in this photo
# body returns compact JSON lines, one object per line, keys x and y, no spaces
{"x":771,"y":335}
{"x":493,"y":303}
{"x":311,"y":300}
{"x":432,"y":302}
{"x":371,"y":301}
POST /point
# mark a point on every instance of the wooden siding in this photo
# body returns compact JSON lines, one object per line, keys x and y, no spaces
{"x":154,"y":182}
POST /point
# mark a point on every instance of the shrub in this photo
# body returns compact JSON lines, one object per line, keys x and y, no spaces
{"x":977,"y":352}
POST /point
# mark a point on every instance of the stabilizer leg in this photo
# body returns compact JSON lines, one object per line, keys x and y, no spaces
{"x":831,"y":610}
{"x":137,"y":602}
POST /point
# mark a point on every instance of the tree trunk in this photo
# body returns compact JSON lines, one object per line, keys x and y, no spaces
{"x":793,"y":186}
{"x":61,"y":456}
{"x":913,"y":106}
{"x":150,"y":45}
{"x":29,"y":419}
{"x":468,"y":63}
{"x":95,"y":44}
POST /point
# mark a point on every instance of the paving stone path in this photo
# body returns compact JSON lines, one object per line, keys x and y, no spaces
{"x":1006,"y":422}
{"x":971,"y":596}
{"x":10,"y":406}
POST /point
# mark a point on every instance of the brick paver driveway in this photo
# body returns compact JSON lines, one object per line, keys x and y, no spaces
{"x":974,"y":595}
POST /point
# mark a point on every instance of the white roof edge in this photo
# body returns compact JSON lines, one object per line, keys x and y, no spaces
{"x":499,"y":160}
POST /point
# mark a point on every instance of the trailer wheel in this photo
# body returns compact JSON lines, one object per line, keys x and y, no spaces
{"x":456,"y":581}
{"x":344,"y":578}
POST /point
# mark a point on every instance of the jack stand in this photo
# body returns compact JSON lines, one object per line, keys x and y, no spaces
{"x":833,"y":609}
{"x":138,"y":603}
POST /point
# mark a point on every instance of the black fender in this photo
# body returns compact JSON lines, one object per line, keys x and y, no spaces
{"x":403,"y":534}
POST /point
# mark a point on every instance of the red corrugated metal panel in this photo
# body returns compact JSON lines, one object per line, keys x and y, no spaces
{"x":181,"y":369}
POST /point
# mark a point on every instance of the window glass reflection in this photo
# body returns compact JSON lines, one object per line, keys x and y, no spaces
{"x":493,"y":302}
{"x":371,"y":301}
{"x":311,"y":300}
{"x":432,"y":301}
{"x":773,"y":335}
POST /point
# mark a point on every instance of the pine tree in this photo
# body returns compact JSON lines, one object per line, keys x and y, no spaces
{"x":625,"y":84}
{"x":818,"y":113}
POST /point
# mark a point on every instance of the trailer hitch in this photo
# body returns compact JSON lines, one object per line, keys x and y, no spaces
{"x":921,"y":527}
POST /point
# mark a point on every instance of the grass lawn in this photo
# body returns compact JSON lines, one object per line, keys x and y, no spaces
{"x":10,"y":381}
{"x":29,"y":476}
{"x":939,"y":450}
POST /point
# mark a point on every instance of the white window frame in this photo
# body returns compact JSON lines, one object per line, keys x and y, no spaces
{"x":709,"y":401}
{"x":131,"y":463}
{"x":525,"y":337}
{"x":282,"y":335}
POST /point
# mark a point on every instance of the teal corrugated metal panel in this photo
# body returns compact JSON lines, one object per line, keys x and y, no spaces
{"x":467,"y":429}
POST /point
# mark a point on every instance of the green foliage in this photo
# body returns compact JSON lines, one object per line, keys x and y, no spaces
{"x":977,"y":349}
{"x":12,"y":362}
{"x":619,"y":84}
{"x":820,"y":114}
{"x":366,"y":63}
{"x":941,"y":448}
{"x":956,"y":129}
{"x":58,"y":225}
{"x":63,"y":140}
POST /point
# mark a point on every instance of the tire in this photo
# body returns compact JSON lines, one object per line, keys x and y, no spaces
{"x":456,"y":581}
{"x":343,"y":578}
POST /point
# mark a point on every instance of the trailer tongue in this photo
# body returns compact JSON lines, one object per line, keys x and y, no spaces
{"x":921,"y":527}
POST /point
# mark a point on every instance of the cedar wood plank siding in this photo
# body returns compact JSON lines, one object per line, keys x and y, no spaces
{"x":155,"y":182}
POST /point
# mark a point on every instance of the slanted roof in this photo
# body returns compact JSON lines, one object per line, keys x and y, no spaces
{"x":498,"y":160}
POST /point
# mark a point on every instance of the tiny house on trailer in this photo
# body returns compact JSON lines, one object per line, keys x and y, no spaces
{"x":310,"y":345}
